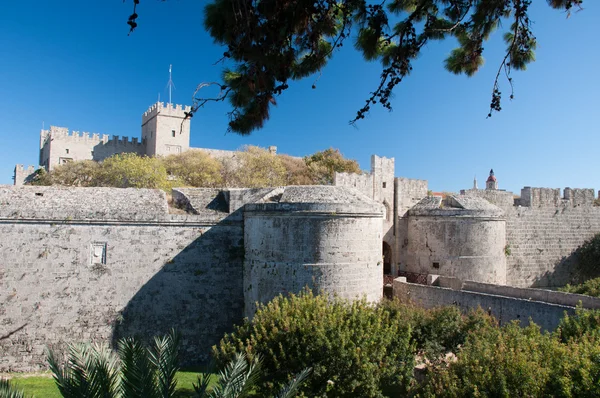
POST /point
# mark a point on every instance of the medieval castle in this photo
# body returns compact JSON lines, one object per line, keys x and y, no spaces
{"x":165,"y":131}
{"x":95,"y":264}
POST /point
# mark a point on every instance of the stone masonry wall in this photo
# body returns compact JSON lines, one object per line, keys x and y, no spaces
{"x":67,"y":203}
{"x":505,"y":309}
{"x":361,"y":182}
{"x":125,"y":271}
{"x":541,"y":240}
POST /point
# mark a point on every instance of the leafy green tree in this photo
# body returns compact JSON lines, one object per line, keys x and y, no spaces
{"x":324,"y":164}
{"x":270,"y":43}
{"x":138,"y":372}
{"x":195,"y":168}
{"x":354,"y":348}
{"x":128,"y":170}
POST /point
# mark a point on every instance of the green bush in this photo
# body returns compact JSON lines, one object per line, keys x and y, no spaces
{"x":438,"y":331}
{"x":583,"y":323}
{"x":496,"y":362}
{"x":513,"y":361}
{"x":354,"y":348}
{"x":589,"y":288}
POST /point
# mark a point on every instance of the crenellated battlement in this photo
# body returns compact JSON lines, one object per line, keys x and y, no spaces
{"x":64,"y":135}
{"x":551,"y":197}
{"x":28,"y":169}
{"x":168,"y":109}
{"x":23,"y":174}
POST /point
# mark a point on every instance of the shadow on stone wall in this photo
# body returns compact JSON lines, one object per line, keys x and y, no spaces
{"x":199,"y":293}
{"x":565,"y":271}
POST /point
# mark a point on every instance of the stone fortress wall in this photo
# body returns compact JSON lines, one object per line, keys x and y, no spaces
{"x":59,"y":146}
{"x":96,"y":264}
{"x":532,"y":242}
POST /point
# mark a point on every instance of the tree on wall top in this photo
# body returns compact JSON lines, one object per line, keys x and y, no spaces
{"x":272,"y":42}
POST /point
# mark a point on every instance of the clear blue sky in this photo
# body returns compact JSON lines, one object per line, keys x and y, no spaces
{"x":70,"y":63}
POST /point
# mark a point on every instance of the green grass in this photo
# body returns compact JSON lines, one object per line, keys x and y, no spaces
{"x":43,"y":386}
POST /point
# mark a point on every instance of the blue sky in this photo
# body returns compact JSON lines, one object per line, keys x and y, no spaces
{"x":70,"y":63}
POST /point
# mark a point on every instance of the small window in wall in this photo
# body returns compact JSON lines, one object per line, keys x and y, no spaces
{"x":436,"y":265}
{"x":98,"y":253}
{"x":384,"y":184}
{"x":67,"y":150}
{"x":173,"y":132}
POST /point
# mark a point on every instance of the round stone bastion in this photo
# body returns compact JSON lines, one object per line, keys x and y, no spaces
{"x":325,"y":238}
{"x":459,"y":236}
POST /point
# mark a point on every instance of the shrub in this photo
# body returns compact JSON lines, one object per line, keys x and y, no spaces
{"x":583,"y":323}
{"x":195,"y":168}
{"x":256,"y":168}
{"x":354,"y":348}
{"x":513,"y":361}
{"x":128,"y":170}
{"x":496,"y":362}
{"x":324,"y":164}
{"x":590,"y":288}
{"x":296,"y":171}
{"x":83,"y":173}
{"x":438,"y":331}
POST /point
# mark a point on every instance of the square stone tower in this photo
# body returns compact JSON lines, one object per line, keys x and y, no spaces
{"x":165,"y":130}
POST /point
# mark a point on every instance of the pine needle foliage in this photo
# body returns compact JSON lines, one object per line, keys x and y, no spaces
{"x":269,"y":43}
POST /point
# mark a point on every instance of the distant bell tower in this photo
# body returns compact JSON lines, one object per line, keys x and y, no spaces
{"x":491,"y":183}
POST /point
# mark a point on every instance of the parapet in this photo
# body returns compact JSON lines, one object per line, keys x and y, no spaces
{"x":551,"y":197}
{"x":62,"y":134}
{"x":23,"y":175}
{"x":456,"y":206}
{"x":20,"y":168}
{"x":72,"y":204}
{"x":168,"y":109}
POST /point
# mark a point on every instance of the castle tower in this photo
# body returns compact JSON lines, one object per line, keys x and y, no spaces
{"x":491,"y":184}
{"x":165,"y":129}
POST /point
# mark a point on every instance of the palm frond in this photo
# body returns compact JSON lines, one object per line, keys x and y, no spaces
{"x":7,"y":390}
{"x":290,"y":390}
{"x":73,"y":380}
{"x":105,"y":373}
{"x":238,"y":377}
{"x":165,"y":358}
{"x":137,"y":371}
